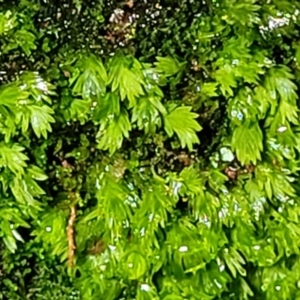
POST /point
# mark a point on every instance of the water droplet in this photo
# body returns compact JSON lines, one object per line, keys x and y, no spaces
{"x":125,"y":224}
{"x":236,"y":207}
{"x":41,"y":85}
{"x":240,"y":115}
{"x":218,"y":284}
{"x":48,"y":229}
{"x":112,"y":248}
{"x":226,"y":154}
{"x":277,"y":22}
{"x":235,"y":62}
{"x":98,"y":186}
{"x":102,"y":267}
{"x":145,"y":287}
{"x":278,"y":287}
{"x":223,"y":212}
{"x":23,"y":86}
{"x":282,"y":129}
{"x":183,"y":249}
{"x":222,"y":268}
{"x":176,"y":187}
{"x":234,"y":113}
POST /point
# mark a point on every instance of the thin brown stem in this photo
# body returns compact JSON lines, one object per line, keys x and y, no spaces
{"x":71,"y":238}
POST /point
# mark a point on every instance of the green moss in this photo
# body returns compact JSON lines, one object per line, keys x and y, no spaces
{"x":172,"y":128}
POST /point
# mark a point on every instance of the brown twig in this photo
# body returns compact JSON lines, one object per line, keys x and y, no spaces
{"x":71,"y":239}
{"x":97,"y":248}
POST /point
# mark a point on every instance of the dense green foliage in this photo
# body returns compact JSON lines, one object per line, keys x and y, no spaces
{"x":165,"y":133}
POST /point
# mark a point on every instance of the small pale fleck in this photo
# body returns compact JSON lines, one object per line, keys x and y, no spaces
{"x":151,"y":216}
{"x":234,"y":113}
{"x":98,"y":184}
{"x":48,"y":229}
{"x":235,"y":62}
{"x":42,"y":86}
{"x":183,"y":249}
{"x":282,"y":129}
{"x":125,"y":224}
{"x":176,"y":187}
{"x":256,"y":247}
{"x":240,"y":115}
{"x":102,"y":267}
{"x":218,"y":284}
{"x":145,"y":287}
{"x":222,"y":268}
{"x":112,"y":248}
{"x":23,"y":86}
{"x":226,"y":154}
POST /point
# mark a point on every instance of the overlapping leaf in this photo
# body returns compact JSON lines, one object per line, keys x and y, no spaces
{"x":247,"y":143}
{"x":90,"y":77}
{"x":113,"y":131}
{"x":181,"y":120}
{"x":126,"y":77}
